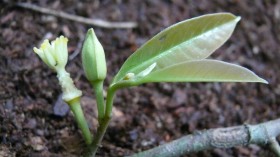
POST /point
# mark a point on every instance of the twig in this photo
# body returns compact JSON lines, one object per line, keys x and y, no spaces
{"x":79,"y":45}
{"x":275,"y":146}
{"x":260,"y":134}
{"x":94,"y":22}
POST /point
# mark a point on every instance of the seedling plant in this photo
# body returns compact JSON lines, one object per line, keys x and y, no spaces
{"x":177,"y":54}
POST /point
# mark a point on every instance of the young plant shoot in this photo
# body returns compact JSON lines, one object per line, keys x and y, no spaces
{"x":177,"y":54}
{"x":94,"y":65}
{"x":55,"y":55}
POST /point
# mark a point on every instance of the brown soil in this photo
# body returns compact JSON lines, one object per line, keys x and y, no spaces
{"x":34,"y":121}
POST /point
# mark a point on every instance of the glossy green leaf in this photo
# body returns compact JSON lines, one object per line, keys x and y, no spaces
{"x":205,"y":70}
{"x":188,"y":40}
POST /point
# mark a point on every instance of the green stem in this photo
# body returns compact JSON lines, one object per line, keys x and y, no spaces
{"x":98,"y":89}
{"x":80,"y":119}
{"x":111,"y":94}
{"x":99,"y":136}
{"x":103,"y":124}
{"x":109,"y":102}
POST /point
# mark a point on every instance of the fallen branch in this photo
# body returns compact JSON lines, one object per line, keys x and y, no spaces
{"x":94,"y":22}
{"x":260,"y":134}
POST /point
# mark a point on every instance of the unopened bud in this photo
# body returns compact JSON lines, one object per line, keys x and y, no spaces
{"x":93,"y":58}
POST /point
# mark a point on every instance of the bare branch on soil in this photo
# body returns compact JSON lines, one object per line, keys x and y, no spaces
{"x":260,"y":134}
{"x":76,"y":18}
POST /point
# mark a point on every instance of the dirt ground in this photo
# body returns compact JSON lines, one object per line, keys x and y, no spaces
{"x":35,"y":122}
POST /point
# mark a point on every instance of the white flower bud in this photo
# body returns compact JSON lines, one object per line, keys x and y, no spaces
{"x":55,"y":55}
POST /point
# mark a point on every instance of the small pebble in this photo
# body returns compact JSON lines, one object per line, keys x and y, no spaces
{"x":31,"y":124}
{"x":39,"y":132}
{"x":37,"y":143}
{"x":60,"y":107}
{"x":9,"y":105}
{"x":133,"y":134}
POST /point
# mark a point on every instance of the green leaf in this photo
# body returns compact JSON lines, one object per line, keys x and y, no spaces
{"x":188,"y":40}
{"x":205,"y":70}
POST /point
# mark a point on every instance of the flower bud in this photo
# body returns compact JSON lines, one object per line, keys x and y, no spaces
{"x":55,"y":55}
{"x":93,"y":58}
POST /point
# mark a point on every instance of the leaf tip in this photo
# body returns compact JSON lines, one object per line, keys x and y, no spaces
{"x":263,"y":81}
{"x":238,"y":18}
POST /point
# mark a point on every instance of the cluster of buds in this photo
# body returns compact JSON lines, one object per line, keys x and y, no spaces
{"x":55,"y":55}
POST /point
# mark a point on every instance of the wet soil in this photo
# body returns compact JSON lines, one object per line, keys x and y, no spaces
{"x":35,"y":122}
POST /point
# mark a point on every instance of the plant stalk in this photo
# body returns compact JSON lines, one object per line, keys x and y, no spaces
{"x":98,"y":138}
{"x":98,"y":89}
{"x":104,"y":123}
{"x":76,"y":108}
{"x":109,"y":102}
